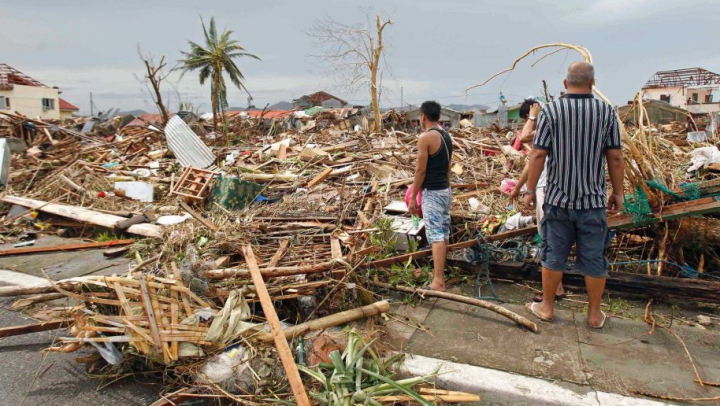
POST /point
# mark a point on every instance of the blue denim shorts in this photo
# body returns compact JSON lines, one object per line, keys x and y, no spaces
{"x":561,"y":228}
{"x":436,"y":214}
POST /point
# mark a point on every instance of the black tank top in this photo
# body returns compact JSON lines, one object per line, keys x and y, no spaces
{"x":438,"y":165}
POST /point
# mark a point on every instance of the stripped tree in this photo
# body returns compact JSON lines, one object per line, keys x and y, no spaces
{"x":154,"y":75}
{"x":353,"y":54}
{"x":213,"y":60}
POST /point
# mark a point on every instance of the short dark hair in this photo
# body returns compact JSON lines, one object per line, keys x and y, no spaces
{"x":431,"y":109}
{"x":525,"y":107}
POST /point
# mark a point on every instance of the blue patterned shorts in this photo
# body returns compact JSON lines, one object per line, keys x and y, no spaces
{"x":436,"y":214}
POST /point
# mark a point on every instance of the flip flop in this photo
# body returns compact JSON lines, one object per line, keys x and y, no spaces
{"x":530,"y":307}
{"x":538,"y":298}
{"x":602,"y":324}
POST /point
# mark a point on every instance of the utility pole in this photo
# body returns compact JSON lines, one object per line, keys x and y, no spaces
{"x":92,"y":112}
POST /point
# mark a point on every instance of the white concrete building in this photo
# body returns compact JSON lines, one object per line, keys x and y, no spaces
{"x":695,"y":89}
{"x":25,"y":95}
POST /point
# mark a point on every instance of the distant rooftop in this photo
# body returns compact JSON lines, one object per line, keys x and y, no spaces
{"x":66,"y":105}
{"x":683,"y":78}
{"x":10,"y":76}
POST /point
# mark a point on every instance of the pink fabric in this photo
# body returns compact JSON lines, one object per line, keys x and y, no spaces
{"x":418,"y":199}
{"x":517,"y":144}
{"x":508,"y":185}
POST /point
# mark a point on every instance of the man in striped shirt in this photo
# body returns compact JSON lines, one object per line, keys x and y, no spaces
{"x":577,"y":135}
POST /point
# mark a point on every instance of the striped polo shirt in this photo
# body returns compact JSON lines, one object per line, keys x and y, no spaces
{"x":576,"y":130}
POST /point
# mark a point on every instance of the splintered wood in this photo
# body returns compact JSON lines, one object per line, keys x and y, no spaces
{"x":154,"y":315}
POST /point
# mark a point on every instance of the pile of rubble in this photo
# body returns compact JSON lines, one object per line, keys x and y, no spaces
{"x":304,"y":215}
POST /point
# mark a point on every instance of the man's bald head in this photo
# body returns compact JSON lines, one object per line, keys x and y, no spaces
{"x":580,"y":75}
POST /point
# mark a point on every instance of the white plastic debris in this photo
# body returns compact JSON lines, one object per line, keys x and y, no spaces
{"x":702,"y":157}
{"x":135,"y":190}
{"x":172,"y":219}
{"x":516,"y":221}
{"x":222,"y":369}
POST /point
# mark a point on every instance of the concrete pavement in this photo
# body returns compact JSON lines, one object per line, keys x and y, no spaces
{"x":609,"y":364}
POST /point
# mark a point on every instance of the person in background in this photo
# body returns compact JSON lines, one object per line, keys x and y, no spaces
{"x":432,"y":176}
{"x":529,"y":112}
{"x":527,"y":132}
{"x":577,"y":135}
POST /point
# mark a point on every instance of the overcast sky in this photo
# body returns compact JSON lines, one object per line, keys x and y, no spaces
{"x":435,"y":49}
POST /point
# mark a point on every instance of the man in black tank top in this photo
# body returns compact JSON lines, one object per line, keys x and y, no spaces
{"x":432,"y":177}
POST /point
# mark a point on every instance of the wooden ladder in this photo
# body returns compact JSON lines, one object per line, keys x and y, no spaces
{"x":194,"y":183}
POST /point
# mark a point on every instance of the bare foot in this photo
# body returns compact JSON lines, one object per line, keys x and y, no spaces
{"x":544,"y":311}
{"x":438,"y":287}
{"x":597,"y":320}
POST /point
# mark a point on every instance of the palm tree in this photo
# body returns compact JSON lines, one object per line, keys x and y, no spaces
{"x":214,"y":59}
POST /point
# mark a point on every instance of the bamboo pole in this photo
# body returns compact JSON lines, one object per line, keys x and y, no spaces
{"x":520,"y":320}
{"x":333,"y":320}
{"x":216,"y":274}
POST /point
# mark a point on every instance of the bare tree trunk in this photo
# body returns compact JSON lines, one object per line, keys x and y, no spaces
{"x":152,"y":75}
{"x":374,"y":66}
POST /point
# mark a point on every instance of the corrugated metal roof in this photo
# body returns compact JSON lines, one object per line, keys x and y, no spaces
{"x":187,"y":147}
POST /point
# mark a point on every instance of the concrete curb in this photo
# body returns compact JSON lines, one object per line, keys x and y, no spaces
{"x":513,"y":389}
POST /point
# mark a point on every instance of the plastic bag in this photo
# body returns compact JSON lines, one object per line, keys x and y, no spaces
{"x":418,"y":199}
{"x":508,"y":185}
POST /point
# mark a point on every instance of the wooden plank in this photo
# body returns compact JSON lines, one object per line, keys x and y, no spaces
{"x":198,"y":217}
{"x":278,"y":254}
{"x":162,"y":321}
{"x":319,"y":178}
{"x":157,"y":343}
{"x":276,"y":329}
{"x":282,"y":151}
{"x":124,"y":303}
{"x":674,"y":211}
{"x":85,"y":215}
{"x":335,"y":248}
{"x":68,"y":247}
{"x":174,"y":319}
{"x":179,"y":283}
{"x":222,"y":262}
{"x":34,"y":328}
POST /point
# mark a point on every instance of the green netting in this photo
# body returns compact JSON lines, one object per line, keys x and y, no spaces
{"x":690,"y":191}
{"x":637,"y":205}
{"x":537,"y":240}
